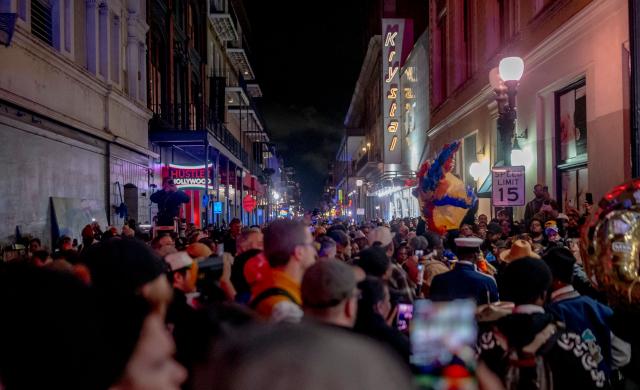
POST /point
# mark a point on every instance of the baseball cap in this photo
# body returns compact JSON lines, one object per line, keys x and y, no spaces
{"x":327,"y":283}
{"x":382,"y":235}
{"x":178,"y":260}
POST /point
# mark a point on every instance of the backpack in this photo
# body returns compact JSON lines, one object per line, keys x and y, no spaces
{"x":270,"y":292}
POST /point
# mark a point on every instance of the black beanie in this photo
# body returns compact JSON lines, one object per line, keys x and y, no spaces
{"x":525,"y":280}
{"x":561,"y":261}
{"x":374,"y":261}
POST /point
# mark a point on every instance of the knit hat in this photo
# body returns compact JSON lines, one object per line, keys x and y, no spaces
{"x":561,"y":261}
{"x":327,"y":283}
{"x":525,"y":280}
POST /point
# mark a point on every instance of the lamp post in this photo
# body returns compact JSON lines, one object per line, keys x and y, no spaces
{"x":505,"y":85}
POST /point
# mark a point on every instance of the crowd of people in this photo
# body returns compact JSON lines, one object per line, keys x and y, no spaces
{"x":306,"y":304}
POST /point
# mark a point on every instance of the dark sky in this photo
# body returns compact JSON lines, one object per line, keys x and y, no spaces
{"x":307,"y":57}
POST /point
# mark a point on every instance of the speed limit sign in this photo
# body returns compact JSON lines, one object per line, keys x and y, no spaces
{"x":508,"y":186}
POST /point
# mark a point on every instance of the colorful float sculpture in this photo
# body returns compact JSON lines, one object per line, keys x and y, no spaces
{"x":444,"y":199}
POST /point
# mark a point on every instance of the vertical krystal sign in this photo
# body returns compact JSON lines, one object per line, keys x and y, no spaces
{"x":394,"y":53}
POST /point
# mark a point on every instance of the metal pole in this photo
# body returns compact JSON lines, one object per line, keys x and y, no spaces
{"x":634,"y":120}
{"x":226,"y":194}
{"x":206,"y":181}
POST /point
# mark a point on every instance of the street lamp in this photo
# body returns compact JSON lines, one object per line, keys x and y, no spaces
{"x":505,"y":84}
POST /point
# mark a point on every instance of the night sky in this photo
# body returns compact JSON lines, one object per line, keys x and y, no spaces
{"x":307,"y":57}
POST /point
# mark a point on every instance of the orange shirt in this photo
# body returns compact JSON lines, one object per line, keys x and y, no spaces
{"x":281,"y":280}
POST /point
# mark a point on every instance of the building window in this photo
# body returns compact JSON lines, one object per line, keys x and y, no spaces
{"x":439,"y":51}
{"x":41,"y":20}
{"x":571,"y":144}
{"x":509,"y":13}
{"x":115,"y":48}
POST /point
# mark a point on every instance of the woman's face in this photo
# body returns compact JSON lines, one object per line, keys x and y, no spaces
{"x":402,"y":255}
{"x":466,"y":231}
{"x":152,"y":366}
{"x":506,"y":227}
{"x":535,"y":227}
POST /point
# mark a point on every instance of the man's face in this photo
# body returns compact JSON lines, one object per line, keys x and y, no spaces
{"x":254,"y":241}
{"x":538,"y":191}
{"x":166,"y":240}
{"x":308,"y":255}
{"x":235,"y":228}
{"x":482,"y":218}
{"x":465,"y":231}
{"x":34,"y":247}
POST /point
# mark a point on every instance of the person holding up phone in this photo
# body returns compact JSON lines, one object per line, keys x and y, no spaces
{"x":169,"y":200}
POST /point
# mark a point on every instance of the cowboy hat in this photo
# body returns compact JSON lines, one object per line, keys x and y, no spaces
{"x":518,"y":250}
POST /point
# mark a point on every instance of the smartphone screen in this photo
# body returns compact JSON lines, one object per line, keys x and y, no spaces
{"x":405,"y":313}
{"x":441,"y":333}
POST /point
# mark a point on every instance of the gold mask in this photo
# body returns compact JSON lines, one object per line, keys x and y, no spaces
{"x":610,"y":244}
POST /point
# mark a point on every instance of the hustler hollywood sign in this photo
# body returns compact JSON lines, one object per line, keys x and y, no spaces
{"x":190,"y":176}
{"x":396,"y":34}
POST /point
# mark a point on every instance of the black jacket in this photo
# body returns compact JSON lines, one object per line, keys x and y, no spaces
{"x":567,"y":358}
{"x":169,"y":203}
{"x":375,"y":327}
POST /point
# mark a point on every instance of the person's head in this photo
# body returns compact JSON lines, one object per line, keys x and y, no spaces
{"x":127,"y":268}
{"x":169,"y":185}
{"x":494,"y":232}
{"x":199,"y":251}
{"x":66,"y":243}
{"x":402,"y":254}
{"x":374,"y":298}
{"x":235,"y":226}
{"x":466,"y":230}
{"x":382,"y":237}
{"x":503,"y":215}
{"x":183,"y":271}
{"x":419,"y":243}
{"x":374,"y":262}
{"x":41,"y":258}
{"x":552,"y":232}
{"x":301,"y":357}
{"x":34,"y":245}
{"x":163,"y":245}
{"x":535,"y":227}
{"x":288,"y":245}
{"x":526,"y":281}
{"x":538,"y":191}
{"x":561,"y":262}
{"x":152,"y":365}
{"x":329,"y":293}
{"x":249,"y":239}
{"x":468,"y":248}
{"x":482,"y":218}
{"x":343,"y":242}
{"x":327,"y":247}
{"x":506,"y":227}
{"x":48,"y":317}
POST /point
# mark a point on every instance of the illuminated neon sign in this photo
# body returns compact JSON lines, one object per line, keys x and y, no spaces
{"x":189,"y":176}
{"x":394,"y":53}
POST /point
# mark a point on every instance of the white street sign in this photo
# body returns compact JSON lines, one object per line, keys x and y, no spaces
{"x":508,"y":186}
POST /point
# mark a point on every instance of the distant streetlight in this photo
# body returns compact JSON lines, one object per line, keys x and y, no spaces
{"x":276,"y":196}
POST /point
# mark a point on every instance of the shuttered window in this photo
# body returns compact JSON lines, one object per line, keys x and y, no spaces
{"x":41,"y":22}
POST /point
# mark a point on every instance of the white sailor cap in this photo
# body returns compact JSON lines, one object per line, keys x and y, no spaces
{"x":468,"y":242}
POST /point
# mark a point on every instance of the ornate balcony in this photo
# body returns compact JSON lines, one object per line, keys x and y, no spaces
{"x":223,"y":20}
